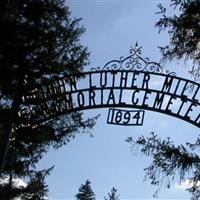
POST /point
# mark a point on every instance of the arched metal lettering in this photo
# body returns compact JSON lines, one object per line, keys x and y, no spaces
{"x":123,"y":89}
{"x":131,"y":82}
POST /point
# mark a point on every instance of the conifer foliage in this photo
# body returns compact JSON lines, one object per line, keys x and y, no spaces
{"x":171,"y":161}
{"x":85,"y":192}
{"x":183,"y":30}
{"x":112,"y":195}
{"x":39,"y":41}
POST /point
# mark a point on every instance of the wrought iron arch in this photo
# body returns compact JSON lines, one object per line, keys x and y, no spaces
{"x":130,"y":82}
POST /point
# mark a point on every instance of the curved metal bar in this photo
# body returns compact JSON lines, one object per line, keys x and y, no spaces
{"x":120,"y":106}
{"x":60,"y":98}
{"x":39,"y":100}
{"x":134,"y":62}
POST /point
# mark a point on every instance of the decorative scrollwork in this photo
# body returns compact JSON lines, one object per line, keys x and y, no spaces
{"x":134,"y":62}
{"x":25,"y":112}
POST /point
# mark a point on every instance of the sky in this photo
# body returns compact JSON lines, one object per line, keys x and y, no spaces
{"x":112,"y":27}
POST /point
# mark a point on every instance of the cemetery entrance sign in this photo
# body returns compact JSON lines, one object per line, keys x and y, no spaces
{"x":132,"y":82}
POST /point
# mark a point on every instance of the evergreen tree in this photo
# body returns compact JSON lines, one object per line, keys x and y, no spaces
{"x":85,"y":192}
{"x":170,"y":160}
{"x":39,"y":41}
{"x":183,"y":29}
{"x":112,"y":195}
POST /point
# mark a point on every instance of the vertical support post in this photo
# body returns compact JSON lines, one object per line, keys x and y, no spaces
{"x":4,"y":147}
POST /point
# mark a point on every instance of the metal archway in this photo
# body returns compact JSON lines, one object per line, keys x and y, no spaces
{"x":131,"y":82}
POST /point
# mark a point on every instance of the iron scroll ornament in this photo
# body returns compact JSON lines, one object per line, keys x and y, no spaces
{"x":134,"y":62}
{"x":65,"y":95}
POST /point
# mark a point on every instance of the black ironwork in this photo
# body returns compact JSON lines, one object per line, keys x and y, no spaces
{"x":134,"y":62}
{"x":125,"y":117}
{"x":124,"y":83}
{"x":125,"y":89}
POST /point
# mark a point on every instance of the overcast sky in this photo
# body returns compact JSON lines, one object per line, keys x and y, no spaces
{"x":112,"y":27}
